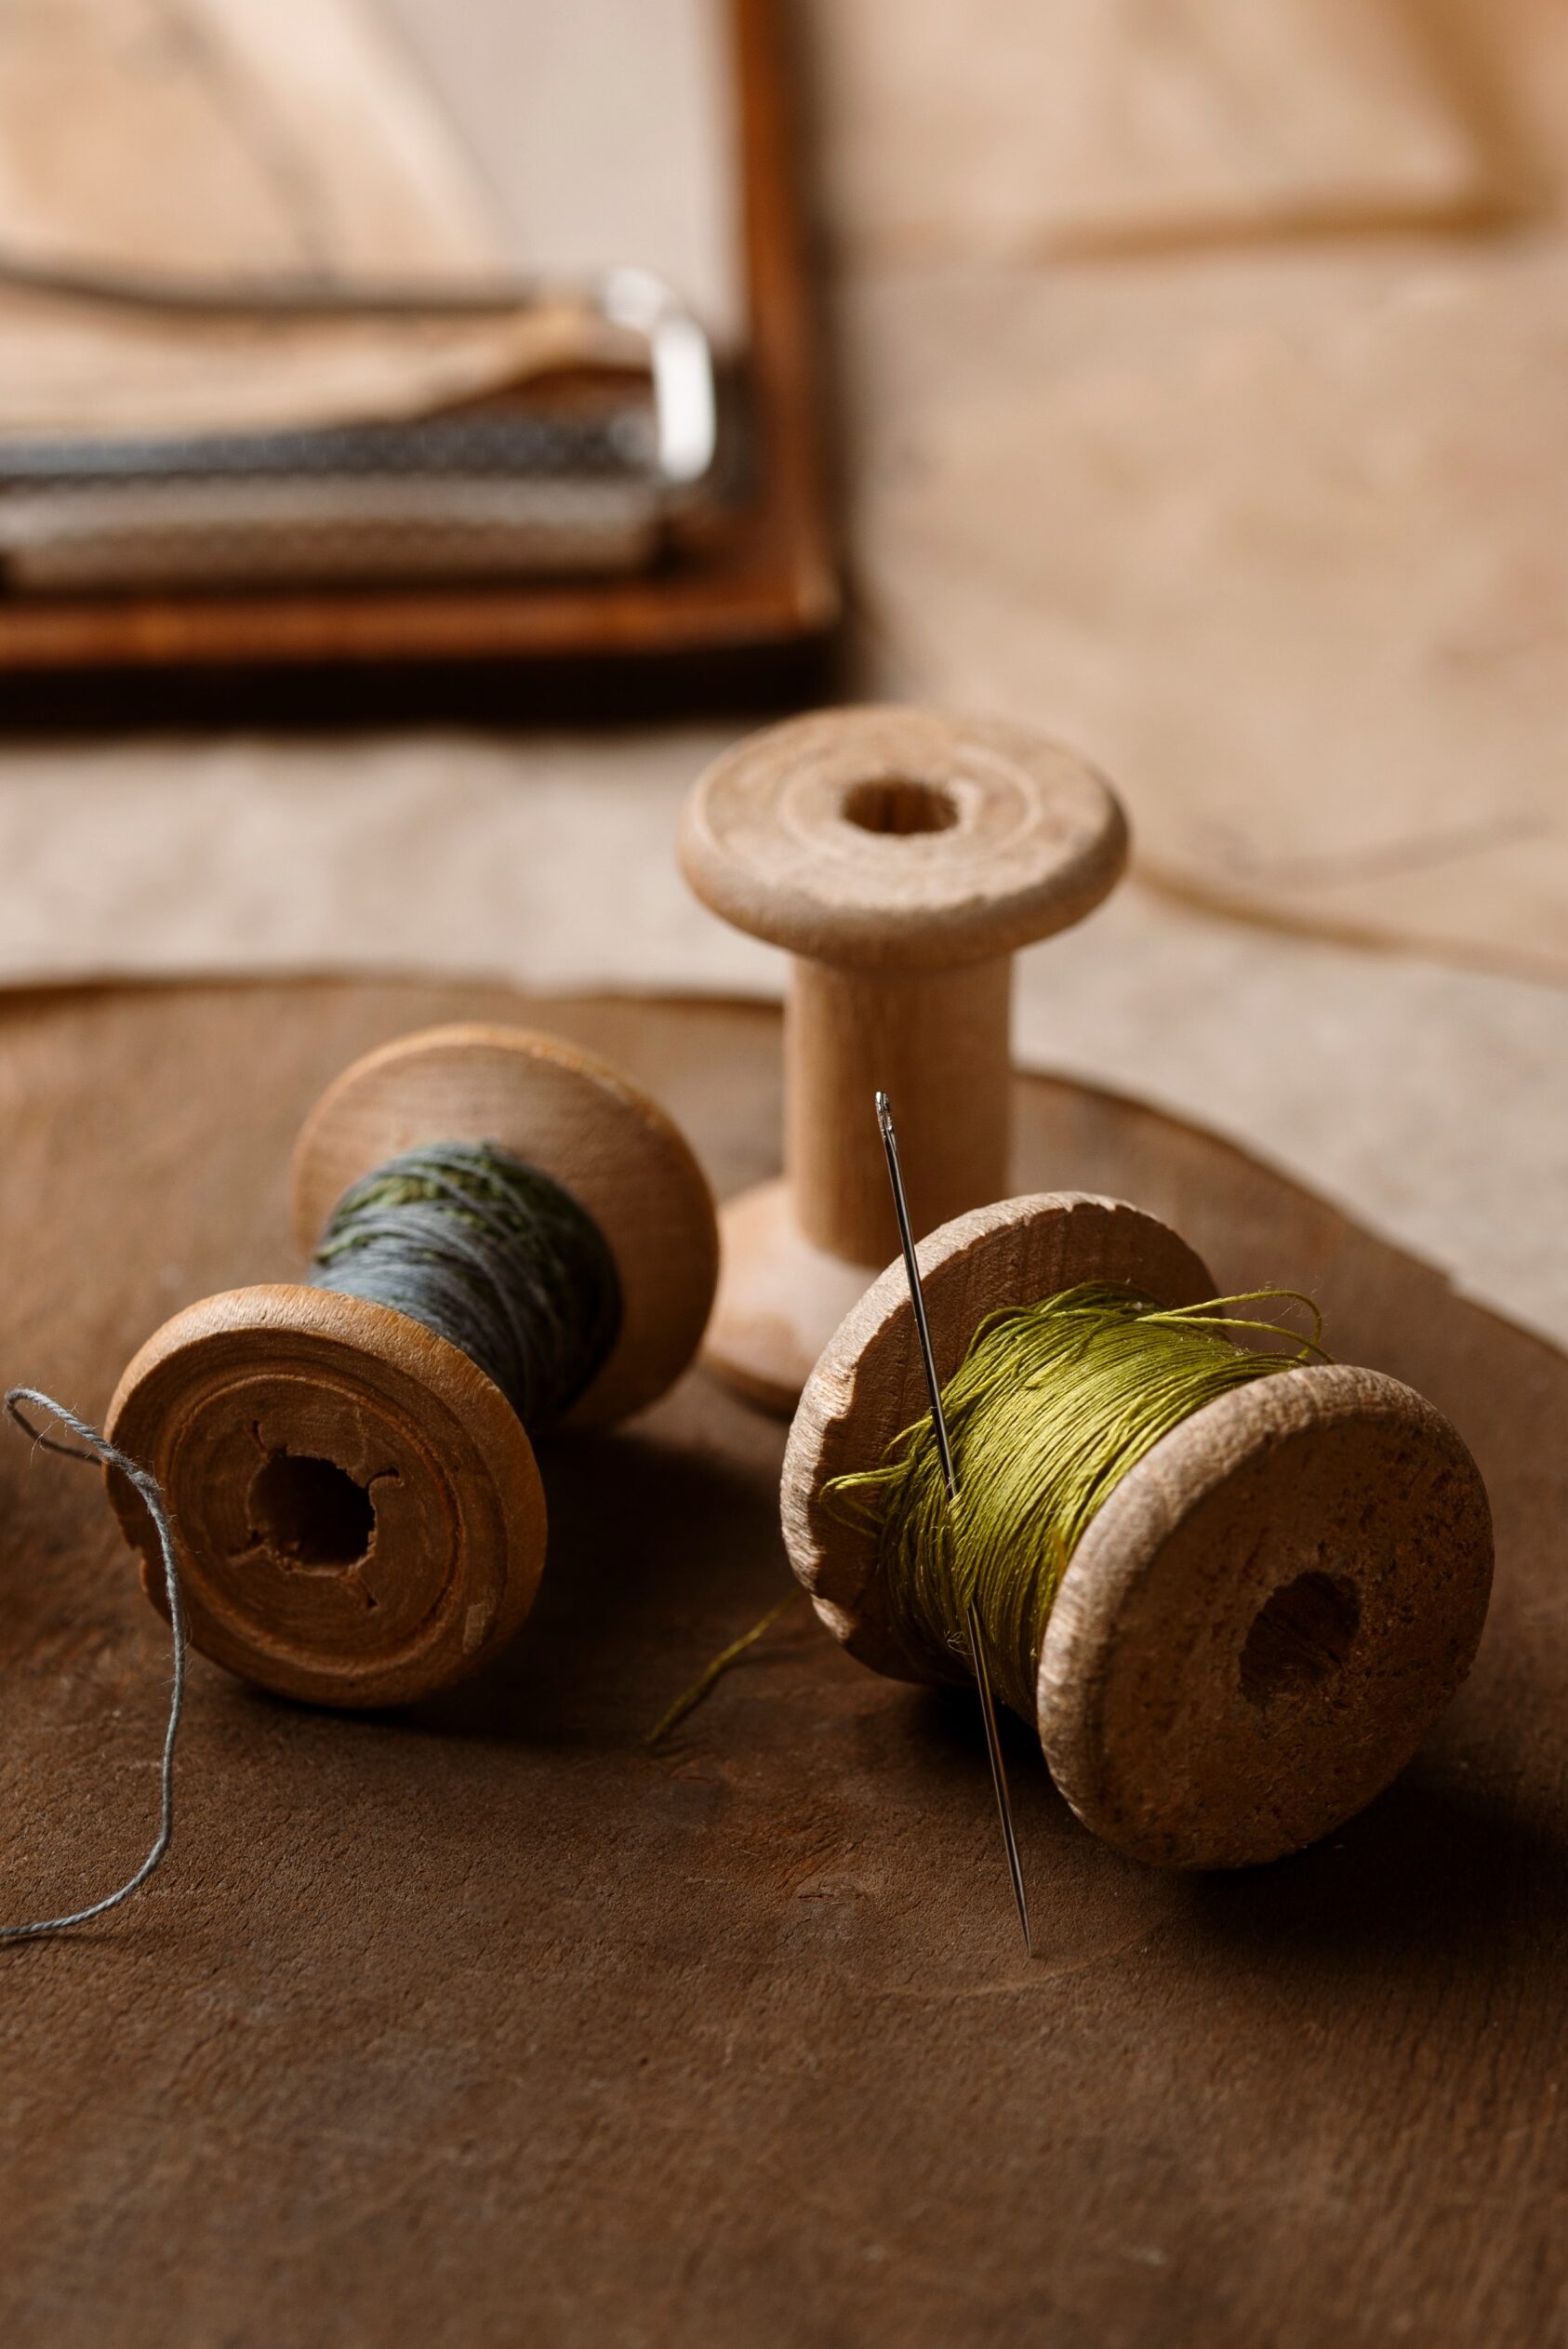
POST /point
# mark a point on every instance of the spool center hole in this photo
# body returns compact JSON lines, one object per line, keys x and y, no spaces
{"x":1300,"y":1635}
{"x":312,"y":1513}
{"x":893,"y":806}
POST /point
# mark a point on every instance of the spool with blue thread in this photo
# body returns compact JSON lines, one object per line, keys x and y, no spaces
{"x":1263,"y":1615}
{"x":505,"y":1234}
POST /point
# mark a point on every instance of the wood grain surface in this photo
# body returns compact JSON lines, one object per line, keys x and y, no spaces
{"x":478,"y":2024}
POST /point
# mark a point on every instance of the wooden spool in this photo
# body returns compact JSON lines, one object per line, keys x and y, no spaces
{"x":1269,"y":1611}
{"x":902,"y":857}
{"x":357,"y":1509}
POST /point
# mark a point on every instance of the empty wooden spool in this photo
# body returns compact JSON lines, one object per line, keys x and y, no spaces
{"x":902,"y":857}
{"x":1269,"y":1611}
{"x":357,"y":1509}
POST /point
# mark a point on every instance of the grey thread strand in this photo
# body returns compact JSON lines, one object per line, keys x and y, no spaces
{"x":492,"y":1254}
{"x":99,"y":1449}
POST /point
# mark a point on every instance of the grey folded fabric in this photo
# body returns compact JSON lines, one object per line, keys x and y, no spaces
{"x":604,"y":441}
{"x":260,"y":530}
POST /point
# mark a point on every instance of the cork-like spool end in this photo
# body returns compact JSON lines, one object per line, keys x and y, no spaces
{"x":901,"y":855}
{"x":1264,"y":1619}
{"x":889,"y":839}
{"x":1267,"y":1613}
{"x":576,"y":1119}
{"x":358,"y":1516}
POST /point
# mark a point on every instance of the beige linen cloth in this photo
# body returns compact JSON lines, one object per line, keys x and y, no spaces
{"x":1282,"y":541}
{"x":200,"y":145}
{"x":1272,"y":524}
{"x":1016,"y":129}
{"x":1263,"y":508}
{"x":205,"y":141}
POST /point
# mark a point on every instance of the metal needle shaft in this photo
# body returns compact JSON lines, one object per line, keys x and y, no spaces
{"x":944,"y":1453}
{"x":999,"y":1776}
{"x":917,"y":1298}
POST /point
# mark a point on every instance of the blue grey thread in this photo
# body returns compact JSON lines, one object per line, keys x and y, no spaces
{"x":99,"y":1449}
{"x":492,"y":1254}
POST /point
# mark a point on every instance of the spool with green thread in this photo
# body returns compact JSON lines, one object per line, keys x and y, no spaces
{"x":1231,"y":1590}
{"x":504,"y":1233}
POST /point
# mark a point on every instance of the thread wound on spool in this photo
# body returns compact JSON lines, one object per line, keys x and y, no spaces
{"x":492,"y":1254}
{"x":1054,"y":1403}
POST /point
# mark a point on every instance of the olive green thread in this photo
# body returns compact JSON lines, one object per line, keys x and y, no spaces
{"x":711,"y":1674}
{"x":492,"y":1254}
{"x":1051,"y":1406}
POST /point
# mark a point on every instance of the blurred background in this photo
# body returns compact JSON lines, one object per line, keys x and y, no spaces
{"x":430,"y":429}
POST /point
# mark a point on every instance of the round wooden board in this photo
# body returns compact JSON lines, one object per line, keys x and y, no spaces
{"x":737,"y":2040}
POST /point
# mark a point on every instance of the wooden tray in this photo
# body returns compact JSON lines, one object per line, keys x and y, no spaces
{"x":480,"y":2024}
{"x":758,"y":575}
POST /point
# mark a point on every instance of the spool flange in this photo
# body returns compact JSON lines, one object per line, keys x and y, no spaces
{"x":357,"y":1509}
{"x":1267,"y":1613}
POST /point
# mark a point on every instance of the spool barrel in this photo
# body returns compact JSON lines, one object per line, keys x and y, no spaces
{"x":901,"y":857}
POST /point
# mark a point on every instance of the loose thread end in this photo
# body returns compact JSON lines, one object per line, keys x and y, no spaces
{"x":713,"y":1672}
{"x":93,"y":1452}
{"x":96,"y":1450}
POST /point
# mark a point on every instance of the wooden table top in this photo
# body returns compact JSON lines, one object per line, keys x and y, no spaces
{"x":479,"y":2023}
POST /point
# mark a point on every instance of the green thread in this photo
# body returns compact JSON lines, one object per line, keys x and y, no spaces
{"x":711,"y":1674}
{"x":1052,"y":1405}
{"x":491,"y":1254}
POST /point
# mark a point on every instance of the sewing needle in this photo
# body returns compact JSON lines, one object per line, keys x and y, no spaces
{"x":944,"y":1453}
